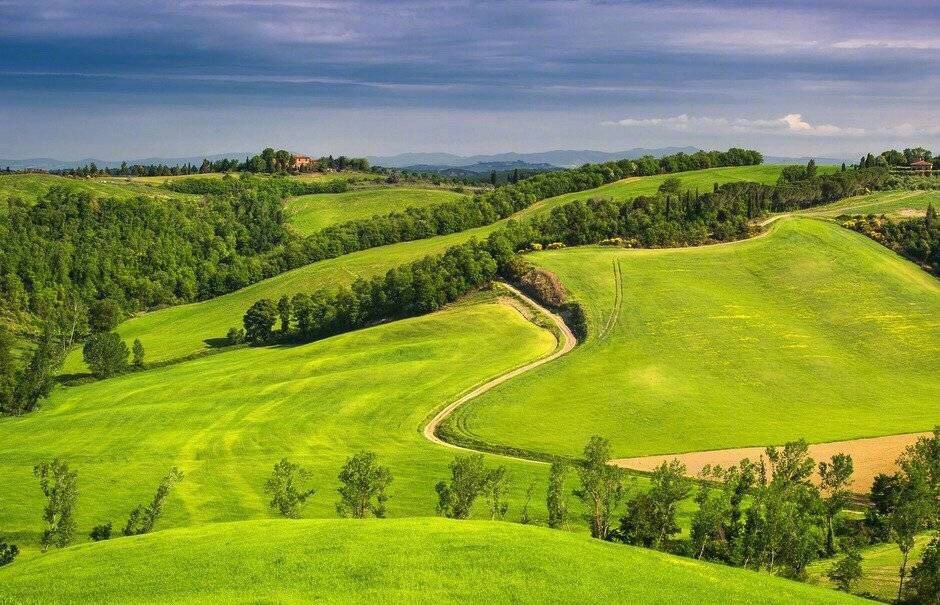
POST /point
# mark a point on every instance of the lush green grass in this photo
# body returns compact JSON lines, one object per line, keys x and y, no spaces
{"x":811,"y":331}
{"x":385,"y":561}
{"x":30,"y":187}
{"x":310,"y":213}
{"x":226,"y":419}
{"x":184,"y":330}
{"x":899,"y":204}
{"x":351,"y":176}
{"x":880,"y":565}
{"x":701,"y":180}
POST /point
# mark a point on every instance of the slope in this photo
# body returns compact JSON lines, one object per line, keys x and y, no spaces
{"x":811,"y":331}
{"x":386,"y":561}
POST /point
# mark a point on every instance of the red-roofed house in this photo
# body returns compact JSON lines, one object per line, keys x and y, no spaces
{"x":922,"y":166}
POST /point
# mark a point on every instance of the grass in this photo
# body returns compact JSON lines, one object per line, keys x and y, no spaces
{"x":311,"y":213}
{"x":351,"y":176}
{"x":385,"y":561}
{"x":897,"y":204}
{"x":226,"y":419}
{"x":30,"y":187}
{"x":184,"y":330}
{"x":744,"y":344}
{"x":880,"y":566}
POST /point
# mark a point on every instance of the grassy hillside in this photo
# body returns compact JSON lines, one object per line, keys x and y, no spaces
{"x":880,"y":566}
{"x":385,"y":561}
{"x":226,"y":419}
{"x":899,"y":204}
{"x":30,"y":187}
{"x":352,"y":176}
{"x":811,"y":331}
{"x":310,"y":213}
{"x":184,"y":330}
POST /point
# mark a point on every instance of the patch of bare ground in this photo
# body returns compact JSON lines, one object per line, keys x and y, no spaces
{"x":911,"y":213}
{"x":870,"y":457}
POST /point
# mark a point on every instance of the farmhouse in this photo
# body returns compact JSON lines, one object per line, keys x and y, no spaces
{"x":921,"y":166}
{"x":302,"y":161}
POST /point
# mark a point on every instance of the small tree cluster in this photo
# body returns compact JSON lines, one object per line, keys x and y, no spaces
{"x":143,"y":518}
{"x":59,"y":486}
{"x":364,"y":483}
{"x":286,"y":496}
{"x":470,"y":479}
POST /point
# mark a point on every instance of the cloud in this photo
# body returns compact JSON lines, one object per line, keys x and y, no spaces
{"x":859,"y":43}
{"x":791,"y":123}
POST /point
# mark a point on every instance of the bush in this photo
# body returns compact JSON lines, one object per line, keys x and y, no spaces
{"x":8,"y":552}
{"x":101,"y":532}
{"x":235,"y":336}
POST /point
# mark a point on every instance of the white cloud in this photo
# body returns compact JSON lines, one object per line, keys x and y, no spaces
{"x":792,"y":123}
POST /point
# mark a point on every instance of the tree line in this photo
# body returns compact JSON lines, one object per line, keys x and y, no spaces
{"x":917,"y":239}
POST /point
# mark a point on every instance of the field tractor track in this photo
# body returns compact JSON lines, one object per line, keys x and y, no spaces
{"x":618,"y":299}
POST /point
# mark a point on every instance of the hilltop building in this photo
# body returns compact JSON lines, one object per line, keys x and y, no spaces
{"x":922,"y":166}
{"x":302,"y":162}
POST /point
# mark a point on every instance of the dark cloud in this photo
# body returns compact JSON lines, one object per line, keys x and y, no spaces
{"x":599,"y":61}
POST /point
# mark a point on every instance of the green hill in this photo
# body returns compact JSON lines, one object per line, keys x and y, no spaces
{"x":811,"y":331}
{"x":311,"y":213}
{"x":187,"y":329}
{"x":30,"y":187}
{"x":385,"y":561}
{"x":226,"y":419}
{"x":899,"y":204}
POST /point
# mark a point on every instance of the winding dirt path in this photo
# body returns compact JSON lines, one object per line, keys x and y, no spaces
{"x":430,"y":430}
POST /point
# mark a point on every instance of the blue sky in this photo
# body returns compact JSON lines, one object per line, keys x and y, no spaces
{"x":123,"y":78}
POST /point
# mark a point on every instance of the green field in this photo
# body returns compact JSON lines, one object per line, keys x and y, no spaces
{"x":351,"y":176}
{"x":31,"y":187}
{"x":311,"y":213}
{"x":897,"y":204}
{"x":226,"y":419}
{"x":184,"y":330}
{"x":385,"y":561}
{"x":880,"y":566}
{"x":744,"y":344}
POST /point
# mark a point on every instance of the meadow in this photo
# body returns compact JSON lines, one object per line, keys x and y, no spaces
{"x":311,"y":213}
{"x":30,"y":187}
{"x":896,"y":204}
{"x":352,"y":176}
{"x":386,"y":561}
{"x":185,"y":330}
{"x":880,"y":565}
{"x":751,"y":343}
{"x":224,"y":420}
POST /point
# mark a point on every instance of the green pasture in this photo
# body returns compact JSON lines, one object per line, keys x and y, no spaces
{"x":224,"y":420}
{"x":880,"y":566}
{"x":811,"y":331}
{"x":311,"y":213}
{"x":896,"y":204}
{"x":30,"y":187}
{"x":187,"y":329}
{"x":385,"y":561}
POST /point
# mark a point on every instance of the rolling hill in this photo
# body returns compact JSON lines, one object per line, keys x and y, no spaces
{"x":386,"y":561}
{"x":188,"y":329}
{"x":31,"y":187}
{"x":746,"y":344}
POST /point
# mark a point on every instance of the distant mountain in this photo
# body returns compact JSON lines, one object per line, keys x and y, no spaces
{"x":53,"y":164}
{"x":481,"y":168}
{"x":563,"y":158}
{"x":773,"y":159}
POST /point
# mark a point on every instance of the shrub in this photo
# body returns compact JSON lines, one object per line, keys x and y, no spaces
{"x":8,"y":552}
{"x":101,"y":532}
{"x":235,"y":336}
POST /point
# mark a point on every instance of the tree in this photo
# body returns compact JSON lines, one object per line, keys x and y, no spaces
{"x":811,"y":168}
{"x":835,"y":477}
{"x":496,"y":486}
{"x":846,"y":571}
{"x":286,"y":496}
{"x":104,"y":315}
{"x":601,"y":486}
{"x":142,"y":519}
{"x":106,"y":354}
{"x":671,"y":186}
{"x":284,"y":312}
{"x":931,"y":218}
{"x":235,"y":336}
{"x":670,"y":486}
{"x":524,"y":518}
{"x":364,"y":484}
{"x":924,"y":585}
{"x":905,"y":522}
{"x":101,"y":532}
{"x":556,"y":498}
{"x":138,"y":350}
{"x":58,"y":485}
{"x":8,"y":552}
{"x":467,"y":481}
{"x":259,"y":322}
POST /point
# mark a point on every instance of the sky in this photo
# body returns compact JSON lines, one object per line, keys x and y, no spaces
{"x":123,"y":79}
